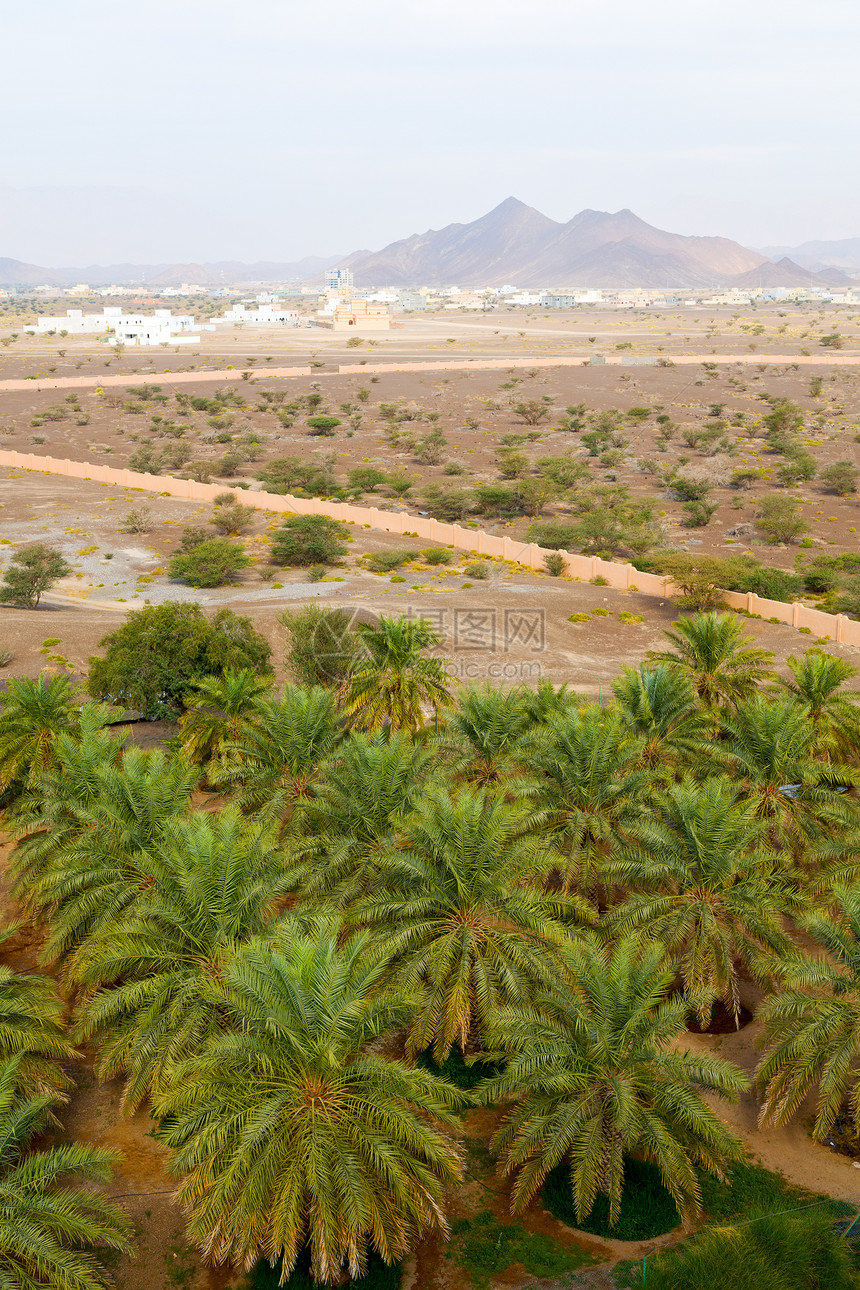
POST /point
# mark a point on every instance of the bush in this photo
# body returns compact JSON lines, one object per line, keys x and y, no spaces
{"x":697,"y":515}
{"x":192,"y":536}
{"x":647,"y":1208}
{"x":232,"y":518}
{"x":152,"y":660}
{"x":789,"y":1251}
{"x":555,"y":564}
{"x":137,"y":521}
{"x":32,"y":571}
{"x":449,"y":504}
{"x":437,"y":555}
{"x":304,"y":540}
{"x":386,"y":561}
{"x":323,"y":425}
{"x":532,"y":411}
{"x":210,"y":563}
{"x":364,"y":479}
{"x":317,"y":572}
{"x":780,"y":520}
{"x":292,"y":475}
{"x":477,"y":569}
{"x":322,"y":649}
{"x":840,"y":478}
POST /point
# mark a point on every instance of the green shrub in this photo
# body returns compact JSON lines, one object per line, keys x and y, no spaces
{"x":304,"y":540}
{"x":387,"y":561}
{"x":477,"y":569}
{"x":151,"y":661}
{"x":437,"y":555}
{"x":579,"y":618}
{"x":323,"y":425}
{"x":209,"y":564}
{"x":322,"y":649}
{"x":555,"y":564}
{"x":647,"y":1207}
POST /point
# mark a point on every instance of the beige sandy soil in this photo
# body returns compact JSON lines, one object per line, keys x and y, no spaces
{"x":474,"y":409}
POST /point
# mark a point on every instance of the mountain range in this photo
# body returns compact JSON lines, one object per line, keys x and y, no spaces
{"x":514,"y":243}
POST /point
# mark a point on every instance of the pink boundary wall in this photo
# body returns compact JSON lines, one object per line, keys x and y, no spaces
{"x":620,"y":576}
{"x":202,"y":375}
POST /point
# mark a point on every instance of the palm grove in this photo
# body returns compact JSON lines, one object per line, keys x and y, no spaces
{"x":280,"y":930}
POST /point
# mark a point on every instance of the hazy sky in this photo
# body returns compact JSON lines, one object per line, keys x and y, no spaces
{"x":271,"y":129}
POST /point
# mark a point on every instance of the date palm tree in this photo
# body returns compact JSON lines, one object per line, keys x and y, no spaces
{"x":811,"y":1025}
{"x":273,"y":762}
{"x":291,"y":1130}
{"x":482,"y":738}
{"x":724,"y":666}
{"x":463,"y":916}
{"x":594,"y":1078}
{"x":34,"y":712}
{"x":32,"y":1030}
{"x":82,"y":877}
{"x":817,"y":683}
{"x":216,"y":710}
{"x":592,"y":787}
{"x":217,"y":881}
{"x":364,"y":792}
{"x":660,"y":707}
{"x":703,"y":884}
{"x":396,"y":680}
{"x":769,"y":751}
{"x":50,"y":1215}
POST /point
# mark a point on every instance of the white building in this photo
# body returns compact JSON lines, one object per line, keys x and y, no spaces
{"x":141,"y":329}
{"x":263,"y":316}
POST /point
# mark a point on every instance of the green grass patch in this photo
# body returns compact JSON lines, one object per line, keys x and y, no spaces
{"x":751,"y":1189}
{"x":379,"y":1275}
{"x":484,"y":1247}
{"x":647,"y":1208}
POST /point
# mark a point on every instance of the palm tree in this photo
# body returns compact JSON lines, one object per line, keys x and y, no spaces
{"x":273,"y":762}
{"x":396,"y":680}
{"x":216,"y":710}
{"x":592,"y":789}
{"x":720,"y":661}
{"x":703,"y":885}
{"x":660,"y":707}
{"x":33,"y":714}
{"x":483,"y":736}
{"x":364,"y":792}
{"x":811,"y":1025}
{"x":769,"y":751}
{"x":82,"y":876}
{"x":32,"y":1030}
{"x":50,"y":1217}
{"x":547,"y":700}
{"x":595,"y":1078}
{"x":834,"y":712}
{"x":217,"y":882}
{"x":462,"y":914}
{"x":291,"y":1130}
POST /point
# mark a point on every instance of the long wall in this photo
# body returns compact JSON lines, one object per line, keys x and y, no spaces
{"x":202,"y":375}
{"x":621,"y":576}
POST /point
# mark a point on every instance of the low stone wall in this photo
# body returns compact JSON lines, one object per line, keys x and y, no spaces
{"x":618,"y":575}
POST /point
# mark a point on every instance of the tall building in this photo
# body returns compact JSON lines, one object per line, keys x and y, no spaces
{"x":335,"y":279}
